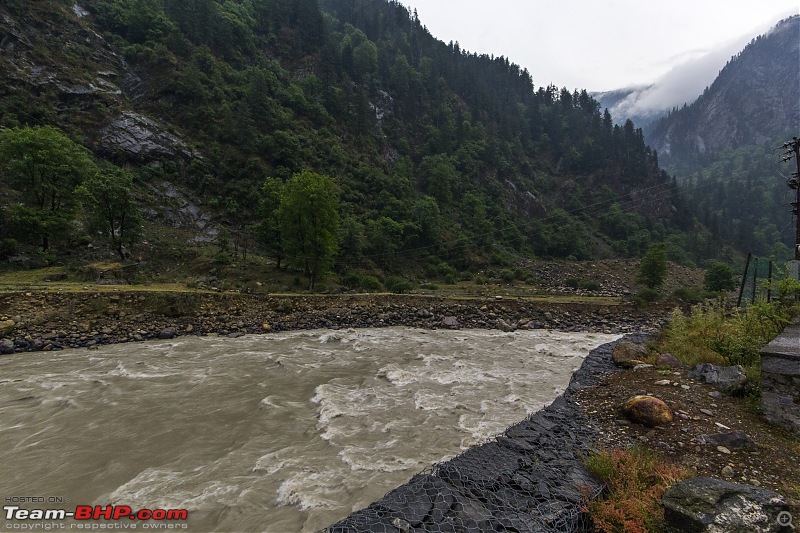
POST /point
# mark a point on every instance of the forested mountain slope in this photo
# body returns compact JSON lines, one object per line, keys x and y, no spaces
{"x":754,"y":99}
{"x":439,"y":155}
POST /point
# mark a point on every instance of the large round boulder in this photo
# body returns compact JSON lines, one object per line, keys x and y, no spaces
{"x":647,"y":410}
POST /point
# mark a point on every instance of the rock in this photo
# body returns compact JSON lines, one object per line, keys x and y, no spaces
{"x":266,"y":326}
{"x":167,"y":333}
{"x":668,"y":360}
{"x":723,"y":449}
{"x":708,"y":504}
{"x":727,"y":471}
{"x":728,"y":379}
{"x":6,"y":326}
{"x":136,"y":135}
{"x":707,"y":412}
{"x":22,"y":344}
{"x":6,"y":346}
{"x":715,"y":394}
{"x":628,"y":355}
{"x":647,"y":410}
{"x":663,"y":382}
{"x":189,"y":328}
{"x":450,"y":322}
{"x":735,"y":440}
{"x":502,"y":325}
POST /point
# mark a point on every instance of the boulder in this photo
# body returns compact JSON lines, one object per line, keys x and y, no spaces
{"x":450,"y":322}
{"x":728,"y":379}
{"x":6,"y":326}
{"x":167,"y":333}
{"x":708,"y":504}
{"x":647,"y":410}
{"x":502,"y":325}
{"x":667,"y":360}
{"x":628,"y":354}
{"x":6,"y":346}
{"x":735,"y":440}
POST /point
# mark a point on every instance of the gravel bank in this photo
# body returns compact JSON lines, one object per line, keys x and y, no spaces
{"x":32,"y":321}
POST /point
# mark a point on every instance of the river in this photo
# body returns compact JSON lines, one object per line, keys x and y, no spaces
{"x":280,"y":433}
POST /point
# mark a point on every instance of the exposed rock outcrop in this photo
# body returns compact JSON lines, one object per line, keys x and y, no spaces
{"x":713,"y":505}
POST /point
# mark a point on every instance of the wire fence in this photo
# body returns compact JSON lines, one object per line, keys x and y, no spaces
{"x":761,"y":277}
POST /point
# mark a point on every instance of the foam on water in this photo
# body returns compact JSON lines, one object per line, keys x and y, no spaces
{"x":287,"y":432}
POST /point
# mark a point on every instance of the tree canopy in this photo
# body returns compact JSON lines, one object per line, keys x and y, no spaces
{"x":309,"y":216}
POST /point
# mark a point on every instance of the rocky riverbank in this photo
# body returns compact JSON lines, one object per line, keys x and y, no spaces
{"x":33,"y":321}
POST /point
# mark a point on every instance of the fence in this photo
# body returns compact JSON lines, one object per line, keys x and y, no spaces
{"x":760,"y":274}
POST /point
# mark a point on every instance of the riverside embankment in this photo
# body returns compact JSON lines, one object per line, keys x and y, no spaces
{"x":46,"y":320}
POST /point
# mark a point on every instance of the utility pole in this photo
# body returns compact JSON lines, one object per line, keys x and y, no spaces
{"x":792,"y":150}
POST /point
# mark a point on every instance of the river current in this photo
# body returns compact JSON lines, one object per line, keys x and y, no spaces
{"x":280,"y":433}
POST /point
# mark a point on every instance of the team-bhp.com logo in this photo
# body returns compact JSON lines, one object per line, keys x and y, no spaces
{"x":96,"y":513}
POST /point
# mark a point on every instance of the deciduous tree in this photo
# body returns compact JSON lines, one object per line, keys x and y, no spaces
{"x":46,"y":167}
{"x":309,"y":218}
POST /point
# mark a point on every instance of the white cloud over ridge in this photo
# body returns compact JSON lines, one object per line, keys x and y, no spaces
{"x":682,"y":84}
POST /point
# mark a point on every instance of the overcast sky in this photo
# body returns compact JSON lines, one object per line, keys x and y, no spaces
{"x":603,"y":44}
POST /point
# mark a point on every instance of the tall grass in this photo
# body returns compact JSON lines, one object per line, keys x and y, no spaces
{"x":715,"y":334}
{"x":635,"y":479}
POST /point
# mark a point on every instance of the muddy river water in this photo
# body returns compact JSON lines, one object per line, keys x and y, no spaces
{"x":280,"y":433}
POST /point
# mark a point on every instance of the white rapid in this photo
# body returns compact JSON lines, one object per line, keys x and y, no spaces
{"x":279,"y":433}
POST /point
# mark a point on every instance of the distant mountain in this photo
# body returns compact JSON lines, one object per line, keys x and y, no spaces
{"x":753,"y":100}
{"x":623,"y":104}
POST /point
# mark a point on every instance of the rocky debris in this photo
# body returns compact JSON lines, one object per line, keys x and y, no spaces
{"x":708,"y":504}
{"x":647,"y":410}
{"x":729,"y":379}
{"x":167,"y":333}
{"x":142,"y":138}
{"x":6,"y":346}
{"x":6,"y":326}
{"x":734,"y":440}
{"x":628,"y":355}
{"x":132,"y":316}
{"x":667,"y":360}
{"x":502,"y":325}
{"x":177,"y":211}
{"x":450,"y":322}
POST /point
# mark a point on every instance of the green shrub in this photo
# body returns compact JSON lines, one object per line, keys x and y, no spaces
{"x":507,"y":275}
{"x":691,"y":296}
{"x":356,"y":279}
{"x":8,"y":247}
{"x":572,"y":283}
{"x":648,"y":295}
{"x":397,"y":285}
{"x":719,"y":278}
{"x":713,"y":334}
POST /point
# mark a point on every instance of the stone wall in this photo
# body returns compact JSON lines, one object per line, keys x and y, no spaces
{"x":780,"y":379}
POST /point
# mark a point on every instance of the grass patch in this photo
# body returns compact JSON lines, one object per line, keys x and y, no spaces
{"x":715,"y":334}
{"x":635,"y":481}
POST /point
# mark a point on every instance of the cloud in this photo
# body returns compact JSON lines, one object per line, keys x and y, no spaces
{"x":683,"y":83}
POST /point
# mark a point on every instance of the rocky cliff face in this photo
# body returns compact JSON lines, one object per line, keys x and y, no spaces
{"x":57,"y":69}
{"x":754,"y":99}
